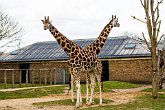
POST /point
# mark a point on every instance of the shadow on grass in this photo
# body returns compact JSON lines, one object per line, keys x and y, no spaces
{"x":68,"y":102}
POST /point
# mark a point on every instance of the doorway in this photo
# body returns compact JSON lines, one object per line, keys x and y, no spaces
{"x":105,"y":71}
{"x":24,"y":72}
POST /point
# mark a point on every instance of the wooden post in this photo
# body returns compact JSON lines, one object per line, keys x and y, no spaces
{"x":40,"y":77}
{"x":27,"y":76}
{"x":54,"y":71}
{"x":20,"y":78}
{"x":13,"y":78}
{"x":5,"y":81}
{"x":45,"y":76}
{"x":32,"y":77}
{"x":50,"y":77}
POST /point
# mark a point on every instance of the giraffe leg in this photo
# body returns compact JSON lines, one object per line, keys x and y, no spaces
{"x":72,"y":94}
{"x":80,"y":98}
{"x":92,"y":77}
{"x":87,"y":88}
{"x":78,"y":94}
{"x":100,"y":83}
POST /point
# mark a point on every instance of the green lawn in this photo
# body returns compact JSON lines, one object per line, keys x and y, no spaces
{"x":68,"y":102}
{"x":109,"y":85}
{"x":145,"y":102}
{"x":2,"y":86}
{"x":32,"y":93}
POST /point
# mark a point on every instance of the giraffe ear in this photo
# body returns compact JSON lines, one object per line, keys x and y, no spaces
{"x":42,"y":21}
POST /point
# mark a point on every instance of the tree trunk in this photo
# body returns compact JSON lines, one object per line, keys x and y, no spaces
{"x":155,"y":73}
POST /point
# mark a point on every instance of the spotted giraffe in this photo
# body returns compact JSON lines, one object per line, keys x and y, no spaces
{"x":80,"y":61}
{"x":95,"y":48}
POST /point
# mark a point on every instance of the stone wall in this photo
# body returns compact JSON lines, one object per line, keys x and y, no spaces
{"x":136,"y":70}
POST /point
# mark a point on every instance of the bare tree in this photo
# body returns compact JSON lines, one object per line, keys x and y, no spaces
{"x":153,"y":23}
{"x":9,"y":32}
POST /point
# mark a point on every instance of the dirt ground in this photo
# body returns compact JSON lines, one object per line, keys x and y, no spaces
{"x":119,"y":96}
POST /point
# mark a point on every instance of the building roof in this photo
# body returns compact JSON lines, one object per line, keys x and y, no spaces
{"x":115,"y":47}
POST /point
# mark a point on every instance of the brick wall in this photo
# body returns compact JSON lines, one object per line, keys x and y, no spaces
{"x":57,"y":75}
{"x":9,"y":72}
{"x":130,"y":70}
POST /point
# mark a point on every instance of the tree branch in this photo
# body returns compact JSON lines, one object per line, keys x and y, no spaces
{"x":146,"y":42}
{"x":160,"y":38}
{"x":138,"y":19}
{"x":142,"y":3}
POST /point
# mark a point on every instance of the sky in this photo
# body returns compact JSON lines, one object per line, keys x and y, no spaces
{"x":76,"y":19}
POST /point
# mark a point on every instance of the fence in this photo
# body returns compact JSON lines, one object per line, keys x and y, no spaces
{"x":33,"y":76}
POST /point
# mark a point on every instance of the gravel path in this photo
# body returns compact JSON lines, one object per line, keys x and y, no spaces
{"x":119,"y":96}
{"x":15,"y":89}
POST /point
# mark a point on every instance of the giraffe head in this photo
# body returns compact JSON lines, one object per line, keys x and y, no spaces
{"x":114,"y":21}
{"x":46,"y":22}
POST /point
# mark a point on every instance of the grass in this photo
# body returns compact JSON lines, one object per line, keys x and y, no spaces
{"x":32,"y":93}
{"x":2,"y":86}
{"x":39,"y":92}
{"x":67,"y":102}
{"x":145,"y":102}
{"x":150,"y":90}
{"x":109,"y":85}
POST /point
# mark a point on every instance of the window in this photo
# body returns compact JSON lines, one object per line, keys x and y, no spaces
{"x":130,"y":46}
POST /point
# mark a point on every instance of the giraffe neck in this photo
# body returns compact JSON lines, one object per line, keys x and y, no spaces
{"x":67,"y":45}
{"x":98,"y":44}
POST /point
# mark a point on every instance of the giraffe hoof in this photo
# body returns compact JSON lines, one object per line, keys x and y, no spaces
{"x":100,"y":104}
{"x":78,"y":105}
{"x":88,"y":103}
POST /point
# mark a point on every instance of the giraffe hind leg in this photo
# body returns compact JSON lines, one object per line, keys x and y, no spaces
{"x":87,"y":88}
{"x":93,"y":83}
{"x":72,"y":85}
{"x":78,"y":94}
{"x":100,"y":91}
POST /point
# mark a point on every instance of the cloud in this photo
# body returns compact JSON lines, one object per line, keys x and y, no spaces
{"x":74,"y":18}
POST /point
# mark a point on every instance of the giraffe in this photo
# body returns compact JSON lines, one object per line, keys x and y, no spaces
{"x":70,"y":48}
{"x":95,"y":48}
{"x":79,"y":60}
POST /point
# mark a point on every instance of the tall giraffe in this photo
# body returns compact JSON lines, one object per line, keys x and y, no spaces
{"x":79,"y":60}
{"x":70,"y":48}
{"x":95,"y":48}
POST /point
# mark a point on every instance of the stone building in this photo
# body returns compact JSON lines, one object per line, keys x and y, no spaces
{"x":123,"y":59}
